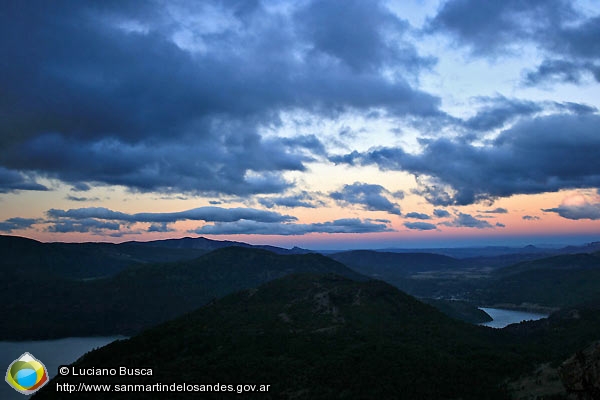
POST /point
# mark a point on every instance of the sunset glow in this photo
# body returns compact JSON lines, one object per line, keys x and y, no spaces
{"x":316,"y":124}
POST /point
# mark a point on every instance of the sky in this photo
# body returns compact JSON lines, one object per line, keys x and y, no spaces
{"x":319,"y":124}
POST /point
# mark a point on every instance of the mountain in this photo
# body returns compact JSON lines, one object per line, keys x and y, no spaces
{"x":384,"y":264}
{"x":312,"y":337}
{"x":559,"y":282}
{"x":27,"y":257}
{"x":419,"y":274}
{"x":494,"y":251}
{"x":460,"y":310}
{"x":144,"y":295}
{"x":568,"y":262}
{"x":202,"y":243}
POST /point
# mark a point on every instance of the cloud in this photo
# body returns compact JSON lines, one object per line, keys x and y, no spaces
{"x":244,"y":165}
{"x":499,"y":111}
{"x":558,"y":70}
{"x":150,"y":97}
{"x":162,"y":227}
{"x":498,"y":210}
{"x":11,"y":181}
{"x":500,"y":225}
{"x":544,"y":154}
{"x":421,"y":226}
{"x":530,"y":218}
{"x":81,"y":199}
{"x":82,"y":225}
{"x":371,"y":197}
{"x":488,"y":28}
{"x":370,"y":27}
{"x":81,"y":187}
{"x":303,"y":199}
{"x":441,"y":213}
{"x":417,"y":215}
{"x":564,"y":35}
{"x":244,"y":227}
{"x":197,"y":214}
{"x":467,"y":221}
{"x":16,"y":223}
{"x":577,"y":211}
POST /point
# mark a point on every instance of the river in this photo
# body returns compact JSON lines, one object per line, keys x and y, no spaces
{"x":502,"y":317}
{"x":51,"y":353}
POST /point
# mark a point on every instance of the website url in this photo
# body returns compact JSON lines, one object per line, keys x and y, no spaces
{"x":160,"y":387}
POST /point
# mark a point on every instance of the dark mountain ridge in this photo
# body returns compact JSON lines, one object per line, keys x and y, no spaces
{"x":144,"y":295}
{"x":311,"y":337}
{"x":314,"y":336}
{"x":375,"y":263}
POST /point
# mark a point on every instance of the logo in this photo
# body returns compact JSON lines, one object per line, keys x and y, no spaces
{"x":26,"y":374}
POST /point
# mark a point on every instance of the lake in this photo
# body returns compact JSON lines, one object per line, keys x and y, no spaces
{"x":52,"y":353}
{"x":502,"y":317}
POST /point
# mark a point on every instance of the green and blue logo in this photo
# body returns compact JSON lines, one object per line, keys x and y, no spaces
{"x":26,"y":374}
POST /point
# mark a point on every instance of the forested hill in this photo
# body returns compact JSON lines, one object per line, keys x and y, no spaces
{"x":315,"y":336}
{"x":144,"y":295}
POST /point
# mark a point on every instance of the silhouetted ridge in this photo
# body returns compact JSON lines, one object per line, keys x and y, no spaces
{"x":313,"y":337}
{"x":163,"y":291}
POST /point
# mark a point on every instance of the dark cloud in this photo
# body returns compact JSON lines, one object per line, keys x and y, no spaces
{"x":81,"y":199}
{"x":500,"y":225}
{"x":303,"y":199}
{"x":420,"y":226}
{"x":498,"y":111}
{"x":498,"y":210}
{"x":349,"y":225}
{"x":467,"y":221}
{"x":568,"y":38}
{"x":490,"y":27}
{"x":441,"y":213}
{"x":558,"y":70}
{"x":576,"y":108}
{"x":544,"y":154}
{"x":82,"y":225}
{"x":125,"y":93}
{"x":365,"y":36}
{"x":576,"y":212}
{"x":371,"y":197}
{"x":81,"y":187}
{"x":238,"y":167}
{"x":197,"y":214}
{"x":162,"y":227}
{"x":11,"y":181}
{"x":530,"y":218}
{"x":16,"y":223}
{"x":417,"y":215}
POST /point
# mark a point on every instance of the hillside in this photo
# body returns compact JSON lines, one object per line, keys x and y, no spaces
{"x":567,"y":262}
{"x":27,"y":257}
{"x":145,"y":295}
{"x":558,"y":282}
{"x":423,"y":275}
{"x":201,"y":243}
{"x":382,"y":264}
{"x":314,"y":337}
{"x":323,"y":336}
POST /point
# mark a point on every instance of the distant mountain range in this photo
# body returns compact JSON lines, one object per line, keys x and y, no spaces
{"x":92,"y":260}
{"x":99,"y":288}
{"x":559,"y":282}
{"x":377,"y":264}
